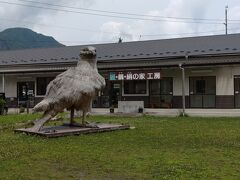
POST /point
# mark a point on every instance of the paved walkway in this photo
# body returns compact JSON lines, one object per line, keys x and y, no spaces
{"x":161,"y":112}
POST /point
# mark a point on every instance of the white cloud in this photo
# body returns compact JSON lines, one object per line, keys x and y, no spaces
{"x":176,"y":8}
{"x":15,"y":15}
{"x":234,"y":14}
{"x":116,"y":30}
{"x":128,"y":29}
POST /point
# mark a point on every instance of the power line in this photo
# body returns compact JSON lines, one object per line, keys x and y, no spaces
{"x":86,"y":42}
{"x":107,"y":32}
{"x":61,"y":27}
{"x":122,"y":13}
{"x":203,"y":32}
{"x":47,"y":41}
{"x":130,"y":14}
{"x":104,"y":15}
{"x":95,"y":31}
{"x":67,"y":41}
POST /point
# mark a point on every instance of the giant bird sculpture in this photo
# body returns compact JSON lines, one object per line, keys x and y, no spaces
{"x":73,"y":89}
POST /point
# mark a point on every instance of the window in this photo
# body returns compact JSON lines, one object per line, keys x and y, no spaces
{"x":135,"y":87}
{"x":25,"y":90}
{"x":200,"y":86}
{"x":166,"y":86}
{"x":154,"y":87}
{"x":42,"y":83}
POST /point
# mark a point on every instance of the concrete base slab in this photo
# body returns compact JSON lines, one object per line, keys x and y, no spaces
{"x":66,"y":130}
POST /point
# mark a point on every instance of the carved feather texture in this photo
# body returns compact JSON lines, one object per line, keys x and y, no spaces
{"x":75,"y":87}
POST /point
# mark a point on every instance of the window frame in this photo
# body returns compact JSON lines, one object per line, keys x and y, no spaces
{"x":36,"y":87}
{"x":161,"y":95}
{"x":202,"y":95}
{"x":146,"y":94}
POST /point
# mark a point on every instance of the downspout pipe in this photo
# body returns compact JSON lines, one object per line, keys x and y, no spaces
{"x":183,"y":89}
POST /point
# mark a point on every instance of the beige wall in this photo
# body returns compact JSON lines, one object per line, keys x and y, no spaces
{"x":224,"y":79}
{"x":1,"y":89}
{"x":10,"y":86}
{"x":11,"y":83}
{"x":12,"y":80}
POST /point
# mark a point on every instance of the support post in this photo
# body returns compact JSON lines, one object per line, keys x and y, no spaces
{"x":183,"y":89}
{"x":3,"y":82}
{"x":27,"y":96}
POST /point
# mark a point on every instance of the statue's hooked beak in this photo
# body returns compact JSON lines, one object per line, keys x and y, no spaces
{"x":87,"y":52}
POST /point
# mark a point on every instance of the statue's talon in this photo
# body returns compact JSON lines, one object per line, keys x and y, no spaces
{"x":35,"y":128}
{"x":90,"y":125}
{"x":38,"y":124}
{"x":34,"y":121}
{"x":72,"y":122}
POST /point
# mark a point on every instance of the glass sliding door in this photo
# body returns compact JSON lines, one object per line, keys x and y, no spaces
{"x":115,"y":93}
{"x":25,"y":92}
{"x":160,"y":93}
{"x":101,"y":99}
{"x":154,"y":94}
{"x":166,"y":89}
{"x":202,"y":92}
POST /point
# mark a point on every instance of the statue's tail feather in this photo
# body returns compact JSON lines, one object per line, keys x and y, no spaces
{"x":42,"y":106}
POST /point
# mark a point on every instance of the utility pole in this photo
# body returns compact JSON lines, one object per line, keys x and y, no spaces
{"x":226,"y":20}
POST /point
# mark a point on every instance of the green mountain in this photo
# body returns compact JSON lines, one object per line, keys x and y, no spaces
{"x":23,"y":38}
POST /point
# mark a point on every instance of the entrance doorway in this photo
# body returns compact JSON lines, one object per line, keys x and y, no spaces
{"x":25,"y":92}
{"x":237,"y":91}
{"x":202,"y":92}
{"x":161,"y":93}
{"x":115,"y":93}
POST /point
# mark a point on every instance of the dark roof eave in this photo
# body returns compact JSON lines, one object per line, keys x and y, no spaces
{"x":39,"y":64}
{"x":181,"y":58}
{"x":170,"y":57}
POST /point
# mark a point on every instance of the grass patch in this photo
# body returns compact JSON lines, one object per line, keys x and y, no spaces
{"x":159,"y":148}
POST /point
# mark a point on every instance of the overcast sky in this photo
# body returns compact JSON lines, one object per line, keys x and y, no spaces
{"x":74,"y":27}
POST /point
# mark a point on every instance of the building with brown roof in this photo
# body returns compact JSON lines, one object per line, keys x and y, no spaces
{"x":148,"y":71}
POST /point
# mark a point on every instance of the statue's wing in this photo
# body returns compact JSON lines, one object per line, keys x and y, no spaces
{"x":98,"y":81}
{"x":73,"y":82}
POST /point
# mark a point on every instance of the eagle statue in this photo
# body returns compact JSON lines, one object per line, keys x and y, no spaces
{"x":73,"y":89}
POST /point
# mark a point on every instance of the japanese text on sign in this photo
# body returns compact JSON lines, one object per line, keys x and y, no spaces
{"x":114,"y":76}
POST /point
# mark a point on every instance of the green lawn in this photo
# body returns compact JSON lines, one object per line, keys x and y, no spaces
{"x":158,"y":148}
